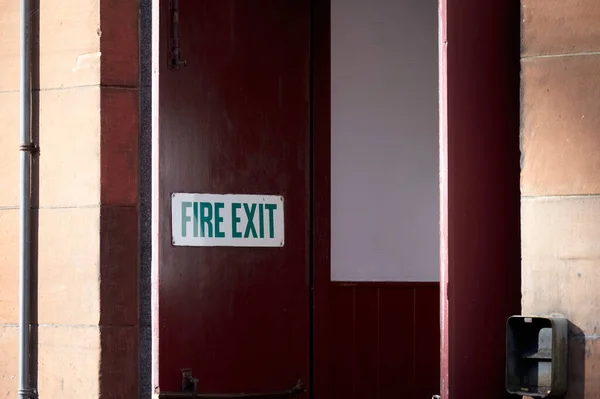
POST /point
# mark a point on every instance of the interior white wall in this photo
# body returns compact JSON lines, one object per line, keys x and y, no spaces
{"x":384,"y":140}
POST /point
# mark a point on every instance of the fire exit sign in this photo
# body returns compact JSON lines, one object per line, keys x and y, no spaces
{"x":230,"y":220}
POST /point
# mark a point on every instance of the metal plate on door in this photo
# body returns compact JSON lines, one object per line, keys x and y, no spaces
{"x":189,"y":389}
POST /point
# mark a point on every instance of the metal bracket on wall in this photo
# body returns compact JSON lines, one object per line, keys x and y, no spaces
{"x":31,"y":148}
{"x":175,"y":60}
{"x":189,"y":390}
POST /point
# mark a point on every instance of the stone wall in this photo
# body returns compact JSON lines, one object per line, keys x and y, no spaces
{"x":86,"y":113}
{"x":560,"y":178}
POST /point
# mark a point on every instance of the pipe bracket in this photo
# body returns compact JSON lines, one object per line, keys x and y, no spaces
{"x":31,"y":148}
{"x":30,"y":393}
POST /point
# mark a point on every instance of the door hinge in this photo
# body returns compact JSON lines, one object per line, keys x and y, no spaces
{"x":175,"y":60}
{"x":189,"y":389}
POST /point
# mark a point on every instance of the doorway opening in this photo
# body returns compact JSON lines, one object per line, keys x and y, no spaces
{"x":345,"y":101}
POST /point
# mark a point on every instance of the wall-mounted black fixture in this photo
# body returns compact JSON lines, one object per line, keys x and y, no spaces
{"x":536,"y":355}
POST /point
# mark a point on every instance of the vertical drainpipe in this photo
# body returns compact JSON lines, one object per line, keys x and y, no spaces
{"x":27,"y":149}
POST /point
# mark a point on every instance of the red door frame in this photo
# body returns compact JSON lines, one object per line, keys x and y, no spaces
{"x":321,"y":213}
{"x":480,"y":195}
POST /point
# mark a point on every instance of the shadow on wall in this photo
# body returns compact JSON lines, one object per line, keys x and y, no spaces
{"x":577,"y":358}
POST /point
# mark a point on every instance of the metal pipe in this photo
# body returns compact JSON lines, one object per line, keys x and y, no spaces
{"x":27,"y":149}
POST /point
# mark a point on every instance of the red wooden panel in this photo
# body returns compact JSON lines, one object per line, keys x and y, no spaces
{"x":480,"y":196}
{"x":236,"y":120}
{"x":342,"y":348}
{"x":396,"y":342}
{"x":385,"y":340}
{"x":427,"y":341}
{"x":366,"y":345}
{"x":323,"y":316}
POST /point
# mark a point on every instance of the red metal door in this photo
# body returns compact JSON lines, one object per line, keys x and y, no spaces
{"x":235,"y":120}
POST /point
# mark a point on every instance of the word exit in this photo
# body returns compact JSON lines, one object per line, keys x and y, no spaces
{"x":227,"y":220}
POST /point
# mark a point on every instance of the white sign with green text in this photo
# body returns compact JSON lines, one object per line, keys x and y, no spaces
{"x":230,"y":220}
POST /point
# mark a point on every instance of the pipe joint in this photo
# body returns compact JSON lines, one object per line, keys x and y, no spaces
{"x":29,"y":393}
{"x":31,"y":148}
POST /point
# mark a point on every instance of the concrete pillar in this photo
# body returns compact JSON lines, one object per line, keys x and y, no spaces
{"x":560,"y":175}
{"x":88,"y":115}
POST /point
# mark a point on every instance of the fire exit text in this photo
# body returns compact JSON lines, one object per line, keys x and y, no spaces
{"x":227,"y":220}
